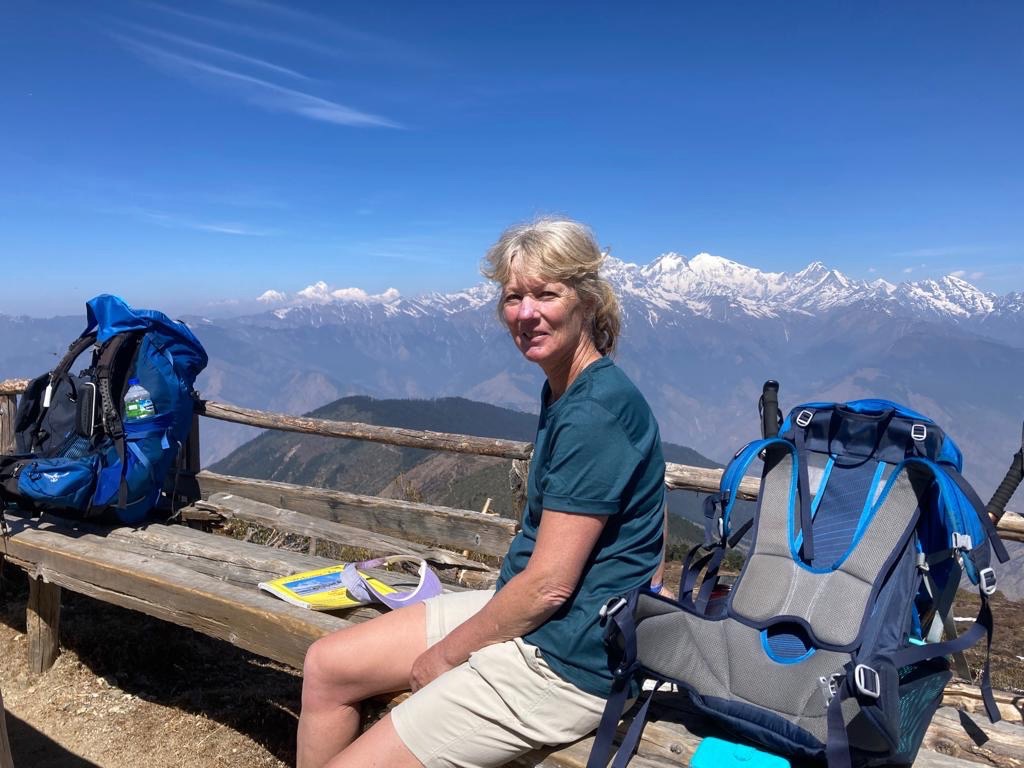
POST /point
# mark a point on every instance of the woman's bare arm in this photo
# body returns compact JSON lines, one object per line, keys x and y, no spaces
{"x":564,"y":542}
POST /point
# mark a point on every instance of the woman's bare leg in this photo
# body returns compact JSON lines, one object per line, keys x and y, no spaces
{"x":378,"y":747}
{"x":348,"y":666}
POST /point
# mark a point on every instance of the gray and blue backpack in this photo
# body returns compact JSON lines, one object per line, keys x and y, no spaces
{"x":77,"y":454}
{"x":829,"y":645}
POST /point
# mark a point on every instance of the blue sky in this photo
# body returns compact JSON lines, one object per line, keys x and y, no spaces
{"x":183,"y":154}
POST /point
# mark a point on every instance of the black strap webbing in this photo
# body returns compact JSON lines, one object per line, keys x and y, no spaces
{"x":803,"y":479}
{"x":979,"y":507}
{"x":121,"y":348}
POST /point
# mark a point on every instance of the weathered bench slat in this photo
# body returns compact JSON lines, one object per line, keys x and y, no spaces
{"x":232,"y":506}
{"x":243,"y":617}
{"x":239,"y":562}
{"x":457,"y":528}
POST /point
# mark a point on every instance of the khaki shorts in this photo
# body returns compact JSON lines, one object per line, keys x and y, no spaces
{"x":501,"y":703}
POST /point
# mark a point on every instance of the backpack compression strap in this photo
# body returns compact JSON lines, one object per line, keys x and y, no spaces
{"x":120,"y":347}
{"x":619,"y":616}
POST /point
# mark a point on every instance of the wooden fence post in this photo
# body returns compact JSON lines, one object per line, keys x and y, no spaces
{"x":43,"y":611}
{"x":43,"y":624}
{"x":517,"y":479}
{"x":8,"y":405}
{"x":6,"y":761}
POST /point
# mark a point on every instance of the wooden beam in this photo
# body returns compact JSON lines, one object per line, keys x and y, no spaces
{"x":13,"y":386}
{"x":682,"y":477}
{"x":410,"y":438}
{"x":454,"y":567}
{"x":457,"y":528}
{"x":42,"y":624}
{"x":100,"y":569}
{"x":1011,"y":527}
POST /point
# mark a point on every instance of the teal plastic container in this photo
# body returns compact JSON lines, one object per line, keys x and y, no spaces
{"x":719,"y":753}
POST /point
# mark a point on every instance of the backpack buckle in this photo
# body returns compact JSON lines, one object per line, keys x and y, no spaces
{"x":918,"y":432}
{"x":962,"y":541}
{"x":804,"y":418}
{"x":987,"y":580}
{"x":867,"y":681}
{"x":613,"y":606}
{"x":829,"y":686}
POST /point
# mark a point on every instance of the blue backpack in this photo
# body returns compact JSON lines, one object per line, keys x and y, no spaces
{"x":830,"y":643}
{"x":76,"y":452}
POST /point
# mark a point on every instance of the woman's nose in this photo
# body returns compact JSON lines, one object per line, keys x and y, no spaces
{"x":527,"y":308}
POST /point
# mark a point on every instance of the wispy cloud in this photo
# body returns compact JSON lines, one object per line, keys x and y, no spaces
{"x":180,"y":221}
{"x":256,"y":91}
{"x":247,"y":30}
{"x":964,"y":274}
{"x":354,"y":41}
{"x":216,"y":50}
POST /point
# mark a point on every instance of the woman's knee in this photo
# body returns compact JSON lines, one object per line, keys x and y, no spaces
{"x":320,"y":669}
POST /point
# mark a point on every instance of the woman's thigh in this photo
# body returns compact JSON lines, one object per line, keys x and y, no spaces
{"x":502,"y":703}
{"x":376,"y":656}
{"x":367,"y":659}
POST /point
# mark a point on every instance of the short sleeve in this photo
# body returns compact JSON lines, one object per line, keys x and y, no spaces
{"x":591,"y":462}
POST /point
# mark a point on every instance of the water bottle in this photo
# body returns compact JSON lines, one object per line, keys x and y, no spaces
{"x":137,"y":402}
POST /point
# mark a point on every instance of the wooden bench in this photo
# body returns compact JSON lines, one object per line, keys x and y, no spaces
{"x":207,"y":582}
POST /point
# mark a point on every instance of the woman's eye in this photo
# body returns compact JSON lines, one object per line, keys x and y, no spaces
{"x":548,"y":295}
{"x":511,"y":298}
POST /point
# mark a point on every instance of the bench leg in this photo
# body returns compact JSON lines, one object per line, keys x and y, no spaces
{"x":6,"y":761}
{"x":43,"y":623}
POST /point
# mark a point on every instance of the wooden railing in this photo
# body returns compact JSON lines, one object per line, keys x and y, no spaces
{"x":316,"y":500}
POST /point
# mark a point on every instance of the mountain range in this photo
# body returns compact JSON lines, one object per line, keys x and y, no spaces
{"x":700,"y":336}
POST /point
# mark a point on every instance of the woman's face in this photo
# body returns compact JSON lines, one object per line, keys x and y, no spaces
{"x":546,"y":319}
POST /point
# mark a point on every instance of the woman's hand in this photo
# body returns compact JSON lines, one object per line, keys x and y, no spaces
{"x":429,"y":665}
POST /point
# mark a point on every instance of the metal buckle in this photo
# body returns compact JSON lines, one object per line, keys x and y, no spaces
{"x":867,"y":681}
{"x":830,"y":686}
{"x":918,"y":432}
{"x":804,"y":418}
{"x":987,"y":580}
{"x":922,"y":562}
{"x":613,"y":606}
{"x":962,"y":541}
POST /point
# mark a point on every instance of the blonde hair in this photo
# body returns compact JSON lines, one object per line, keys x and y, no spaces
{"x":564,"y":251}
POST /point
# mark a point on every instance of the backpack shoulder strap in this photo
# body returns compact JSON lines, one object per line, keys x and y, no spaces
{"x":76,"y":348}
{"x":119,"y":349}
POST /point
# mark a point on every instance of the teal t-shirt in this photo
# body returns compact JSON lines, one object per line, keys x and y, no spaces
{"x":597,"y":452}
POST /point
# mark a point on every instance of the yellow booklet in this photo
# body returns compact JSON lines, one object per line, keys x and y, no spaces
{"x":319,"y":590}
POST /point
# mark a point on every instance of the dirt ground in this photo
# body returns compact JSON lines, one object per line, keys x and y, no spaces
{"x":130,"y":691}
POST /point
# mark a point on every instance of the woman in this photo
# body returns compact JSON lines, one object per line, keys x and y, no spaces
{"x":497,"y":674}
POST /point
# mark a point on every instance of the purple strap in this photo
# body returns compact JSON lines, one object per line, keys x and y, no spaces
{"x":361,"y":589}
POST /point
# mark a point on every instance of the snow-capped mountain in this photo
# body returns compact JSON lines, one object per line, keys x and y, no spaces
{"x":704,"y":286}
{"x":699,"y":337}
